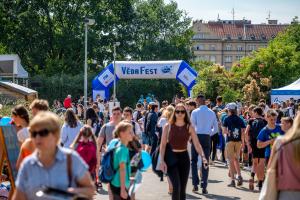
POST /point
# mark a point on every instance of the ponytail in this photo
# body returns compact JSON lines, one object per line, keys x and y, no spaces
{"x":86,"y":131}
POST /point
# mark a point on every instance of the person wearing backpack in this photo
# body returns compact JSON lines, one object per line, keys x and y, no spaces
{"x":256,"y":124}
{"x":85,"y":145}
{"x":268,"y":134}
{"x":138,"y":113}
{"x":151,"y":121}
{"x":121,"y":161}
{"x":127,"y":114}
{"x":287,"y":111}
{"x":234,"y":129}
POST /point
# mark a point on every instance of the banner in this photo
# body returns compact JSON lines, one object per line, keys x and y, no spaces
{"x":281,"y":98}
{"x":147,"y":71}
{"x":186,"y":76}
{"x":106,"y":78}
{"x":100,"y":92}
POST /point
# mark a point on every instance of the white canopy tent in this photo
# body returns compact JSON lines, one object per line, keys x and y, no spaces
{"x":10,"y":66}
{"x":284,"y":93}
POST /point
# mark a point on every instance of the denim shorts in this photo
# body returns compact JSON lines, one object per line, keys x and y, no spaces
{"x":144,"y":138}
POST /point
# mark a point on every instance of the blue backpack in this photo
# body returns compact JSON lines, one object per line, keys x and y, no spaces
{"x":106,"y":170}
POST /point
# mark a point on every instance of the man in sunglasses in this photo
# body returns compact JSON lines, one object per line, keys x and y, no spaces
{"x":203,"y":119}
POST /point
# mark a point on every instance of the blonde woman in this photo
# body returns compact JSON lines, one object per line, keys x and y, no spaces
{"x":287,"y":111}
{"x":48,"y":165}
{"x":288,"y":163}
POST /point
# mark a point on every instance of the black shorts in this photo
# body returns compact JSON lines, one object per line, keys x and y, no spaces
{"x":256,"y":152}
{"x":245,"y":148}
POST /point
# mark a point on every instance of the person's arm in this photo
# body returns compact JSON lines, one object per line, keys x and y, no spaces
{"x":224,"y":130}
{"x":21,"y":156}
{"x":261,"y":144}
{"x":162,"y":151}
{"x":86,"y":186}
{"x":63,"y":135}
{"x":247,"y":137}
{"x":123,"y":192}
{"x":89,"y":122}
{"x":291,"y":112}
{"x":272,"y":155}
{"x":215,"y":125}
{"x":242,"y":137}
{"x":196,"y":143}
{"x":137,"y":130}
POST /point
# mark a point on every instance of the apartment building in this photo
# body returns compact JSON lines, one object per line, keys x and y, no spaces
{"x":227,"y":41}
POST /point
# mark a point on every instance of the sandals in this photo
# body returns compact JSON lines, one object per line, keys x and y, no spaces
{"x":99,"y":185}
{"x":251,"y":187}
{"x":170,"y":191}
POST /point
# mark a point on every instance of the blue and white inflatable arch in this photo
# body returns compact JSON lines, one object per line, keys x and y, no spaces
{"x":144,"y":70}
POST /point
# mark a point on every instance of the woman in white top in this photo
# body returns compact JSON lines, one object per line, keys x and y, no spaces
{"x":167,"y":113}
{"x":20,"y":117}
{"x":70,"y":129}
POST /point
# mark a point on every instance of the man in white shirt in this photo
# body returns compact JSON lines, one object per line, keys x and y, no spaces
{"x":137,"y":114}
{"x":157,"y":102}
{"x":127,"y":114}
{"x":206,"y":124}
{"x":101,"y":105}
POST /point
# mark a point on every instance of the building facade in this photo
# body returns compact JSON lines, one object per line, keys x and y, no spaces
{"x":226,"y":42}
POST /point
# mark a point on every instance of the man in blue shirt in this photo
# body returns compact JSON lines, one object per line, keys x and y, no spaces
{"x":206,"y":124}
{"x":152,"y":119}
{"x":148,"y":98}
{"x":141,"y":99}
{"x":234,"y":128}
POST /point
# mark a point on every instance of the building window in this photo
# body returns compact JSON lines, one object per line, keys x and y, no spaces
{"x":228,"y":47}
{"x":239,"y":48}
{"x":213,"y":59}
{"x":252,"y":37}
{"x":228,"y":36}
{"x":263,"y":46}
{"x":199,"y":36}
{"x":199,"y":58}
{"x":227,"y":68}
{"x":203,"y":36}
{"x":199,"y":28}
{"x":239,"y":37}
{"x":195,"y":37}
{"x":199,"y":47}
{"x":212,"y":47}
{"x":273,"y":36}
{"x":238,"y":58}
{"x":251,"y":47}
{"x":227,"y":59}
{"x":263,"y":37}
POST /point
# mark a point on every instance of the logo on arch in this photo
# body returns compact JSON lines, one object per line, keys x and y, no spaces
{"x":106,"y":78}
{"x":166,"y":69}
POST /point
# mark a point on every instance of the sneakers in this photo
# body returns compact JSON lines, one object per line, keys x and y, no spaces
{"x":251,"y":186}
{"x":248,"y":168}
{"x":240,"y":181}
{"x":204,"y":191}
{"x":195,"y":188}
{"x":231,"y":184}
{"x":213,"y":164}
{"x":170,"y":191}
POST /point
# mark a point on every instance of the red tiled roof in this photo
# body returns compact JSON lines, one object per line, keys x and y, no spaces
{"x":222,"y":30}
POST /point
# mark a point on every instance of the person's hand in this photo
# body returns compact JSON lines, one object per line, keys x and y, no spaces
{"x":228,"y":134}
{"x":204,"y":161}
{"x":123,"y":194}
{"x":3,"y":177}
{"x":242,"y":146}
{"x":272,"y":141}
{"x":164,"y":167}
{"x":249,"y":148}
{"x":71,"y":190}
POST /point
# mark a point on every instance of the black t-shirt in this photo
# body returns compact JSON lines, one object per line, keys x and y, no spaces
{"x":229,"y":121}
{"x":250,"y":121}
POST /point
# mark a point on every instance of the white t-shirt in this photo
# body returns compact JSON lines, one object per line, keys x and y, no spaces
{"x":23,"y":134}
{"x":267,"y":108}
{"x":158,"y":105}
{"x":162,"y":122}
{"x":135,"y":114}
{"x":101,"y":107}
{"x":141,"y":122}
{"x":137,"y":129}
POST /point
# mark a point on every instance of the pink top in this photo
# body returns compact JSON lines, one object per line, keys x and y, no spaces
{"x":287,"y":171}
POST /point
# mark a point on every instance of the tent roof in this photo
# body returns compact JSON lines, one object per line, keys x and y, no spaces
{"x":10,"y":65}
{"x":293,"y":86}
{"x":292,"y":89}
{"x":18,"y":88}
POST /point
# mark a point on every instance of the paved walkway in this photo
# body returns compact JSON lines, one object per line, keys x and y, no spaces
{"x":152,"y":188}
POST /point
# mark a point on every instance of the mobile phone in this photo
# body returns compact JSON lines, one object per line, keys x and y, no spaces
{"x":205,"y":165}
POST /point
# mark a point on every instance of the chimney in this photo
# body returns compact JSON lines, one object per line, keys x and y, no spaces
{"x":272,"y":21}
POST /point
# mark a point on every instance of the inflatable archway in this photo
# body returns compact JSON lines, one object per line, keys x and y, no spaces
{"x":143,"y":70}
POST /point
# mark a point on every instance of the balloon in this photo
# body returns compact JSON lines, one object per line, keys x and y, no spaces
{"x":4,"y":121}
{"x":113,"y":143}
{"x":146,"y":160}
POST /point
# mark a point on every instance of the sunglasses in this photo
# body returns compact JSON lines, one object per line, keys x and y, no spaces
{"x":42,"y":133}
{"x":180,"y":111}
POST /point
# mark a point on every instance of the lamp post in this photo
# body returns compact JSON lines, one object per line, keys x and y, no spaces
{"x":115,"y":45}
{"x":87,"y":22}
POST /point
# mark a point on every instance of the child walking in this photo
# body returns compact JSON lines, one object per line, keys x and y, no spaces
{"x":121,"y":162}
{"x":86,"y":146}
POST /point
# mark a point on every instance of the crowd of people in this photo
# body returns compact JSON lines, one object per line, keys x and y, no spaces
{"x":68,"y":156}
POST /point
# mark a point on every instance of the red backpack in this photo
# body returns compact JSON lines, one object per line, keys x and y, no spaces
{"x":87,"y":151}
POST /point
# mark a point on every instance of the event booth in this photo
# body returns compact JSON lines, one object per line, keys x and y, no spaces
{"x":143,"y":70}
{"x":284,"y":93}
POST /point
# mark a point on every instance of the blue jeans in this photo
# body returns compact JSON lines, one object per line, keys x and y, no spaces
{"x":144,"y":138}
{"x":153,"y":142}
{"x":206,"y":145}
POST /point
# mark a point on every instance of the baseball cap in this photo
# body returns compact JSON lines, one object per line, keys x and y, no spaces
{"x":69,"y":96}
{"x":153,"y":95}
{"x":149,"y":94}
{"x":142,"y":96}
{"x":232,"y":106}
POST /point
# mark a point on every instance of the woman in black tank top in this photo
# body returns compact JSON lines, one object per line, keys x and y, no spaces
{"x":179,"y":172}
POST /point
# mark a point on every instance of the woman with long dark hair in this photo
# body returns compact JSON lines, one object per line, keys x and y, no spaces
{"x":80,"y":111}
{"x":70,"y":129}
{"x":177,"y":133}
{"x":20,"y":117}
{"x":92,"y":119}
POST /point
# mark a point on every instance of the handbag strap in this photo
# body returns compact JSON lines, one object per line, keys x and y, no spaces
{"x":69,"y":168}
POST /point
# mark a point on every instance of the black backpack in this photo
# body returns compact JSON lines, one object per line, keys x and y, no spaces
{"x":133,"y":124}
{"x":148,"y":125}
{"x":139,"y":115}
{"x":286,"y":112}
{"x":257,"y":126}
{"x":235,"y":131}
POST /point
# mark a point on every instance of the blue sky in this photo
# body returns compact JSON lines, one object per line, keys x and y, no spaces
{"x":255,"y":10}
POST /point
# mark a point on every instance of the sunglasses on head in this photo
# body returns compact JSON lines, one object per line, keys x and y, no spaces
{"x":180,"y":111}
{"x":42,"y":133}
